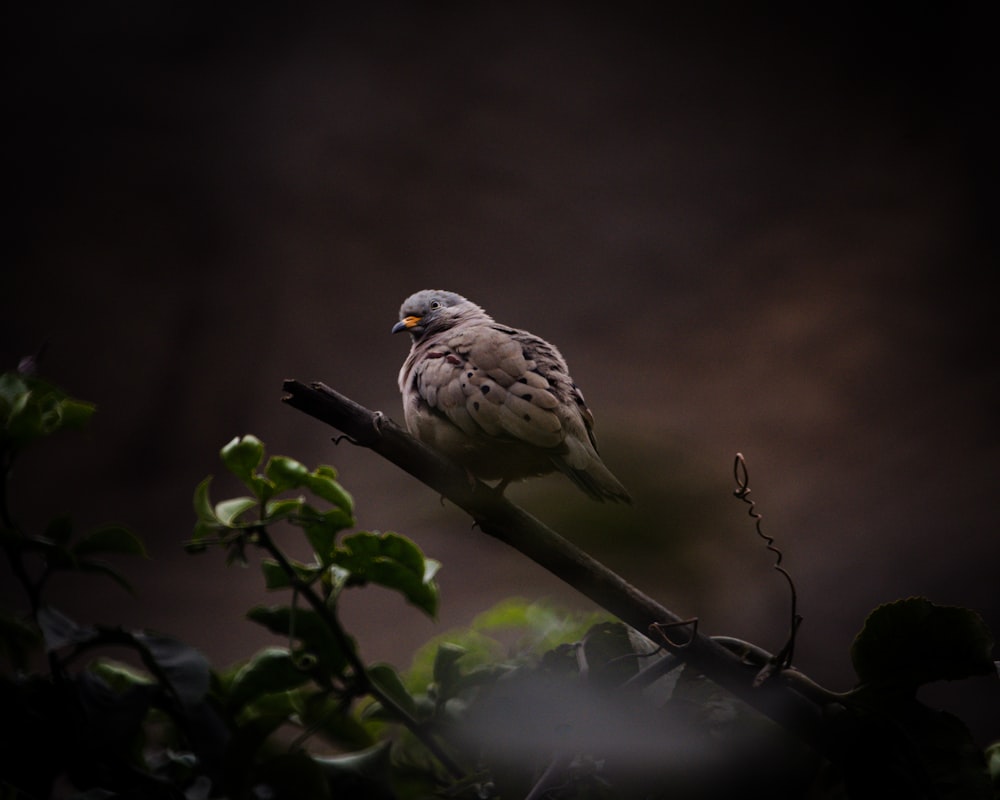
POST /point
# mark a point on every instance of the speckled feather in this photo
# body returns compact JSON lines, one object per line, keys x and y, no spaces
{"x":495,"y":399}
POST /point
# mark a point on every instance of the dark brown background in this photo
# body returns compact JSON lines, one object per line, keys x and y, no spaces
{"x":766,"y":234}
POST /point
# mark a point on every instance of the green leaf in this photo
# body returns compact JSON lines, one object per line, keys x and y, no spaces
{"x":911,"y":642}
{"x":385,"y":677}
{"x":323,"y":483}
{"x":203,"y":508}
{"x":228,"y":511}
{"x":275,"y":576}
{"x":392,"y":561}
{"x":31,"y":408}
{"x":277,"y":706}
{"x":109,"y":539}
{"x":446,"y":670}
{"x":75,"y":414}
{"x":283,"y":509}
{"x":286,"y":473}
{"x":119,"y":675}
{"x":402,"y":550}
{"x":242,"y":456}
{"x":322,"y":535}
{"x":271,"y":670}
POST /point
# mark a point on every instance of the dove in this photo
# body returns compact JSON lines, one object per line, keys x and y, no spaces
{"x":497,"y":400}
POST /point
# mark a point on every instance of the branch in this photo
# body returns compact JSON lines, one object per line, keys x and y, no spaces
{"x":789,"y":697}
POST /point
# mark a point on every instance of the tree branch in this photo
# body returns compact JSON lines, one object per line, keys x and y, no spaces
{"x":788,"y":697}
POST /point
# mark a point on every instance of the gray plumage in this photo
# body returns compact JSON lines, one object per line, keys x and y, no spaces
{"x":495,"y":399}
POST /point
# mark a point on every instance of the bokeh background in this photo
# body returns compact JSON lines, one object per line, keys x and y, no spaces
{"x":771,"y":233}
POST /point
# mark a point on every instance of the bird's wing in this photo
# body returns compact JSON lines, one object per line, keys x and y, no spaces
{"x":483,"y":380}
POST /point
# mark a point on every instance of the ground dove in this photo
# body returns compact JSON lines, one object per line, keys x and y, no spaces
{"x":497,"y":400}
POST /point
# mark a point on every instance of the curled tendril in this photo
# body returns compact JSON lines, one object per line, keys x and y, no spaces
{"x":784,"y":657}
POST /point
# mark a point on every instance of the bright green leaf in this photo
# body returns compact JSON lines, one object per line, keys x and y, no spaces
{"x":323,"y":484}
{"x":392,"y":561}
{"x":75,"y":414}
{"x":401,"y":549}
{"x":446,"y":670}
{"x":282,"y":509}
{"x":286,"y":473}
{"x":228,"y":512}
{"x":263,"y":488}
{"x":118,"y":675}
{"x":203,"y":505}
{"x":393,"y":575}
{"x":109,"y":539}
{"x":242,"y":456}
{"x":30,"y":408}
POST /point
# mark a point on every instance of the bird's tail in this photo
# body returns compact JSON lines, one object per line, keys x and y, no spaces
{"x":595,"y":480}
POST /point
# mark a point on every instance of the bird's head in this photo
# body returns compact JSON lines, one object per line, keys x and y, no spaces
{"x":432,"y":311}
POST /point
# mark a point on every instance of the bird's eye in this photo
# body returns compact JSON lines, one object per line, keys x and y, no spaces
{"x":435,"y":305}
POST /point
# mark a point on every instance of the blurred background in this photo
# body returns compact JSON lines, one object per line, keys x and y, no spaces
{"x":761,"y":233}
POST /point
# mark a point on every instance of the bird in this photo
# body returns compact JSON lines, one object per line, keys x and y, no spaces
{"x":497,"y":400}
